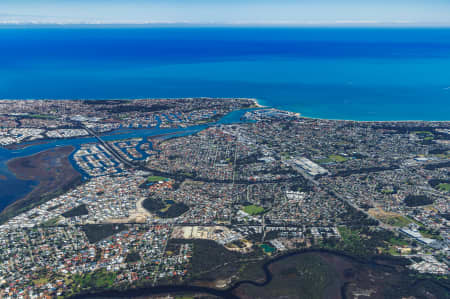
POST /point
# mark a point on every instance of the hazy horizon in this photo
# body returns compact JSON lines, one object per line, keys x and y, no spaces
{"x":345,"y":13}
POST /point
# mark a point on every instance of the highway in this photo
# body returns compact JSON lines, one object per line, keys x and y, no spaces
{"x":137,"y":165}
{"x":109,"y":148}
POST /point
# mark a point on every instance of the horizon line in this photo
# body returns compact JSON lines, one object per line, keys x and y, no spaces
{"x":333,"y":24}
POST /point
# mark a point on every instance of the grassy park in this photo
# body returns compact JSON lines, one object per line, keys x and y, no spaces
{"x":444,"y":187}
{"x":155,"y":178}
{"x":332,"y":159}
{"x":338,"y":158}
{"x":253,"y":210}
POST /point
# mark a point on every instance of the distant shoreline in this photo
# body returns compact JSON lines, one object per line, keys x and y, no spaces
{"x":256,"y":101}
{"x":237,"y":25}
{"x":257,"y":104}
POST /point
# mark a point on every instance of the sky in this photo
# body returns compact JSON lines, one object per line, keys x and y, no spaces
{"x":233,"y":12}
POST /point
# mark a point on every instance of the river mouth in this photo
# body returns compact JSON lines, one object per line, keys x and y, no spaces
{"x":13,"y":188}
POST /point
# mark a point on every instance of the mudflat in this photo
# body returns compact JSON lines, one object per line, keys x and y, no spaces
{"x":51,"y":168}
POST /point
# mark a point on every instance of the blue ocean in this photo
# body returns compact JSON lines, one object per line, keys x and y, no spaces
{"x":359,"y":74}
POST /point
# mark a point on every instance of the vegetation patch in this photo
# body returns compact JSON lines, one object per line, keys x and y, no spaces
{"x":77,"y":211}
{"x":97,"y":232}
{"x":210,"y":260}
{"x":308,"y":275}
{"x":324,"y":161}
{"x":364,"y":243}
{"x":437,"y":165}
{"x":353,"y":217}
{"x":417,"y":200}
{"x":439,"y":184}
{"x":253,"y":210}
{"x":338,"y":158}
{"x":399,"y":221}
{"x":155,"y":178}
{"x":444,"y":187}
{"x":132,"y":257}
{"x":152,"y":204}
{"x":100,"y":279}
{"x":174,"y":210}
{"x":332,"y":159}
{"x":429,"y":233}
{"x":41,"y":116}
{"x":166,"y":208}
{"x":366,"y":170}
{"x":386,"y":189}
{"x":425,"y":135}
{"x":51,"y":222}
{"x":207,"y":255}
{"x":54,"y":207}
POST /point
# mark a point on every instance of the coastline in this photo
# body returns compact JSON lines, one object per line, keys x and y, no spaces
{"x":258,"y":103}
{"x":373,"y":121}
{"x":300,"y":114}
{"x":299,"y":75}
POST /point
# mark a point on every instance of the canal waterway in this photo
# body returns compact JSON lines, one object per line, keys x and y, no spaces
{"x":12,"y":188}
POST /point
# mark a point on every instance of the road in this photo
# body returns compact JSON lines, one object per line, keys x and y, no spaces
{"x":109,"y":148}
{"x":340,"y":197}
{"x":141,"y":166}
{"x":304,"y":175}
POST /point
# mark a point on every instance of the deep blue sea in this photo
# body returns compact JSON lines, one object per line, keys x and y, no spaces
{"x":360,"y":74}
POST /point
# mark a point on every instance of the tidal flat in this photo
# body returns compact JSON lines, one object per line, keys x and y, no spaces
{"x":53,"y":172}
